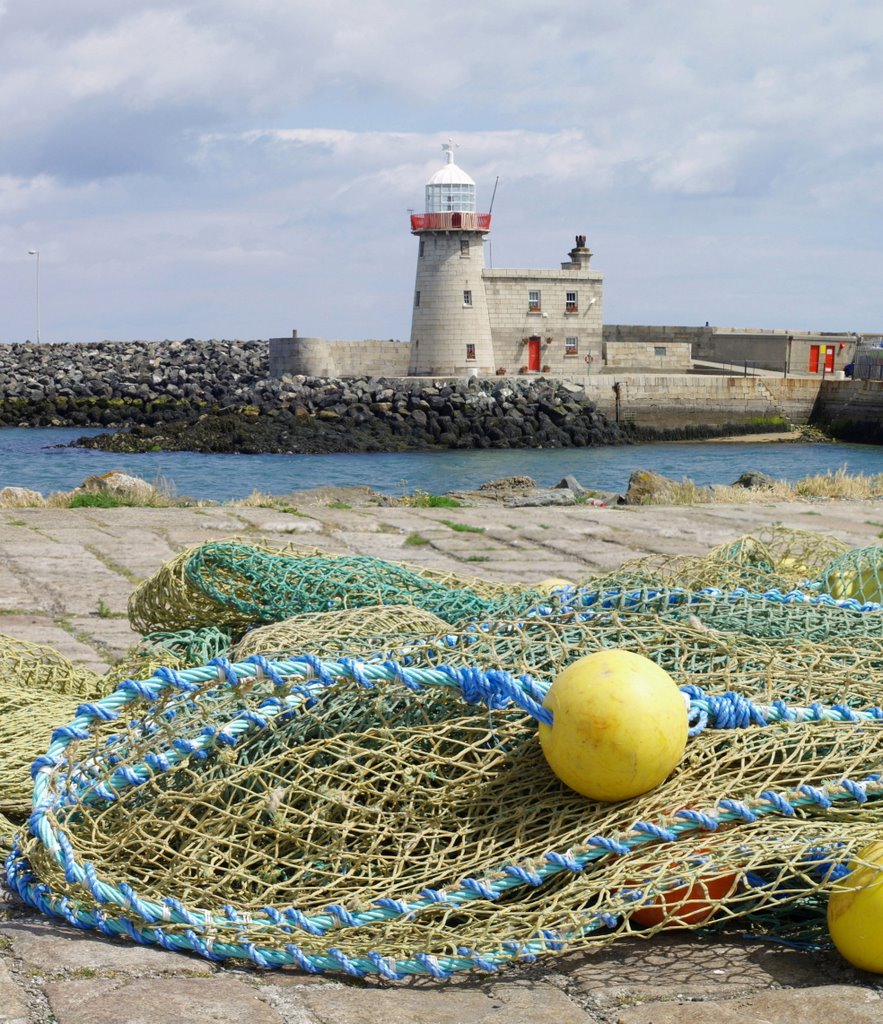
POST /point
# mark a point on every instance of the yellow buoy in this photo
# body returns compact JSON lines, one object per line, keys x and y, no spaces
{"x":619,"y":725}
{"x":858,"y":574}
{"x":855,"y":911}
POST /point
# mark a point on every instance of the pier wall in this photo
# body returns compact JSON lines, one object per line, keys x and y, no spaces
{"x":677,"y":400}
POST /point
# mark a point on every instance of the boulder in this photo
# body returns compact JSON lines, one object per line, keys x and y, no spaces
{"x":118,"y":483}
{"x":541,"y":499}
{"x":755,"y":480}
{"x":21,"y":497}
{"x":510,"y":483}
{"x":647,"y":488}
{"x":570,"y":483}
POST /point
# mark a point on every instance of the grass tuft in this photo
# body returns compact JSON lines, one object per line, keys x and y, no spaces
{"x":423,"y":499}
{"x":416,"y":540}
{"x":461,"y":527}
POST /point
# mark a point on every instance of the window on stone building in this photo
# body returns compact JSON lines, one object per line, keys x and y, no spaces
{"x":417,"y":298}
{"x":467,"y":297}
{"x":659,"y":350}
{"x":533,"y":301}
{"x":464,"y":246}
{"x":570,"y":304}
{"x":571,"y":346}
{"x":421,"y":247}
{"x":470,"y":351}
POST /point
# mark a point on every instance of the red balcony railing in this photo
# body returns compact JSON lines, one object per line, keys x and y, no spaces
{"x":450,"y":221}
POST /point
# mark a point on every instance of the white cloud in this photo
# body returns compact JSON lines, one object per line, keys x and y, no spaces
{"x":240,"y":149}
{"x":710,"y":163}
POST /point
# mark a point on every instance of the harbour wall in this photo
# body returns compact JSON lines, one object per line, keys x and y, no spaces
{"x":669,"y":401}
{"x":851,"y":410}
{"x":119,"y":383}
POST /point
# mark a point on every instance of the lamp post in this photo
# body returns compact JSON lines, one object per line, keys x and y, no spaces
{"x":36,"y":252}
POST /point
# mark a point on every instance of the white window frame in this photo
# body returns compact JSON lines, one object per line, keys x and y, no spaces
{"x":467,"y":297}
{"x":571,"y":305}
{"x":571,"y":345}
{"x":534,"y":305}
{"x":470,"y":352}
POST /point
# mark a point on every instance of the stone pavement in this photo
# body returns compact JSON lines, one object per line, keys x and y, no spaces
{"x":65,"y":577}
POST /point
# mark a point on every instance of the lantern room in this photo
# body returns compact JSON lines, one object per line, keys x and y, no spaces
{"x":450,"y":200}
{"x":450,"y":189}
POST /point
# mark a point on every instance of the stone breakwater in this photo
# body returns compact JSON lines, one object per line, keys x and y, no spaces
{"x":222,"y":371}
{"x":216,"y":396}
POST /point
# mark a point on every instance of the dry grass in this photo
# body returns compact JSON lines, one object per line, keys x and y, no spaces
{"x":838,"y":484}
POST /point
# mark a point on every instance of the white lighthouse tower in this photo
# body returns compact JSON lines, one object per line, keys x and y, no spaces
{"x":450,"y":327}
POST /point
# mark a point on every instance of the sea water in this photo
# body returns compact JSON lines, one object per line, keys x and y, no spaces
{"x":31,"y":457}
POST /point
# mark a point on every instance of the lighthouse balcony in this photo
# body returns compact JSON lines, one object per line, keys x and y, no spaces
{"x":453,"y":221}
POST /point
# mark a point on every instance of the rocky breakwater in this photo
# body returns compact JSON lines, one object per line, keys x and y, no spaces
{"x":216,"y":396}
{"x":113,"y":383}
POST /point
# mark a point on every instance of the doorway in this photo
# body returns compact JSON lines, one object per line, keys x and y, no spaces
{"x":533,"y":354}
{"x":826,"y":352}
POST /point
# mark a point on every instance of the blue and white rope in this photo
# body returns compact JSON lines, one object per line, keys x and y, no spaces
{"x":296,"y":683}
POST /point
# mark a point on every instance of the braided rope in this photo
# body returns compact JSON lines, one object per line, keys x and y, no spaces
{"x":297,"y":682}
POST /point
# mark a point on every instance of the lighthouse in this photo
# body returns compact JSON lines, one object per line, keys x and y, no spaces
{"x":450,"y":326}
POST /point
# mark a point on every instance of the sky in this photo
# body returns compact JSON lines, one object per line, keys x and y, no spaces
{"x":243,"y":168}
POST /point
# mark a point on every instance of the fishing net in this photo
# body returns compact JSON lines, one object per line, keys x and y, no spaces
{"x":236,"y":585}
{"x":394,"y":815}
{"x":773,"y":557}
{"x":38,"y":689}
{"x":357,"y":633}
{"x":182,"y":649}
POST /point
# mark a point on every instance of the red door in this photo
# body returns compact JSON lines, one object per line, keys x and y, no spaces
{"x":813,"y":358}
{"x":824,"y":353}
{"x":533,"y":355}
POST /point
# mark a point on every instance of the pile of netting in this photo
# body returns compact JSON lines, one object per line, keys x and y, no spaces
{"x":333,"y":762}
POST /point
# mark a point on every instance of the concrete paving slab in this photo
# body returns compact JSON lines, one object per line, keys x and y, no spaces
{"x":15,"y":596}
{"x":67,"y":578}
{"x":841,"y":1003}
{"x":146,"y":1001}
{"x":42,"y":629}
{"x":14,"y":1007}
{"x":112,"y":636}
{"x":337,"y":1004}
{"x":686,"y":966}
{"x":53,"y":949}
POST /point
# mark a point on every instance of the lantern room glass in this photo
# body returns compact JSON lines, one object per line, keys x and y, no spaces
{"x":448,"y":197}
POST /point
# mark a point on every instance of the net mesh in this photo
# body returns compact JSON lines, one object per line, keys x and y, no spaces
{"x":773,"y":557}
{"x":856,"y":574}
{"x":26,"y":670}
{"x":356,"y":633}
{"x":394,"y":815}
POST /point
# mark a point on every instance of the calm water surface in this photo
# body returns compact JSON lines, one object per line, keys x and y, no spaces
{"x":28,"y":459}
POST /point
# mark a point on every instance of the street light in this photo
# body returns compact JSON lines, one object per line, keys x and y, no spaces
{"x":36,"y":252}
